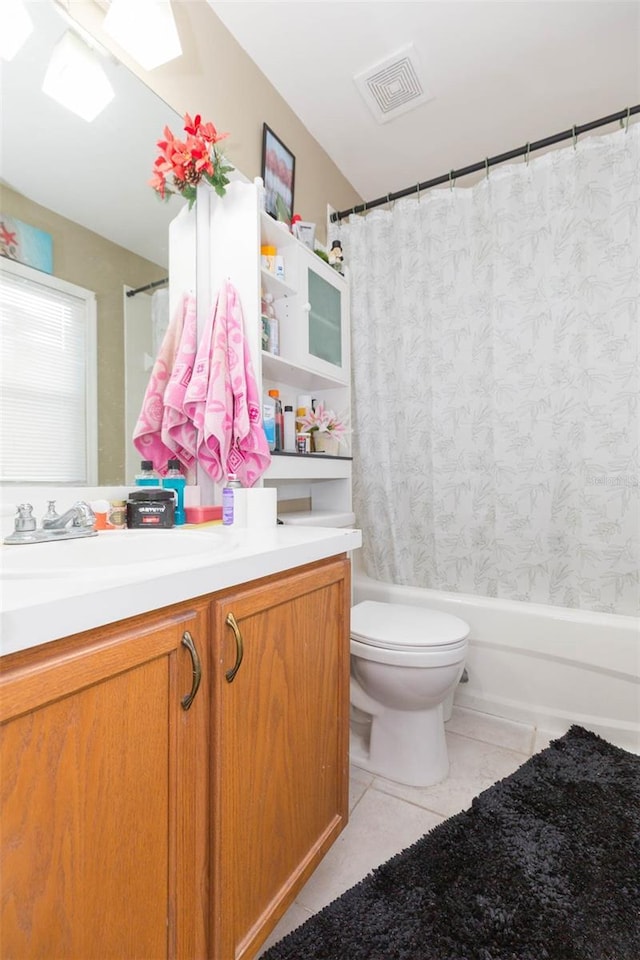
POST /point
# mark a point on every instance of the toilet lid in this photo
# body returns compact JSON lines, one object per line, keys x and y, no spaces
{"x":405,"y":627}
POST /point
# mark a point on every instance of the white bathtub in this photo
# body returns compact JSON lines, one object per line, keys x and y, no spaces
{"x":548,"y":666}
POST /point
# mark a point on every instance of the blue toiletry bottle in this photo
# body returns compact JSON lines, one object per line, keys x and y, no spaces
{"x":147,"y":476}
{"x":269,"y":420}
{"x":174,"y":480}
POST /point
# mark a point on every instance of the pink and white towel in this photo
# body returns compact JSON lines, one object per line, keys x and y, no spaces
{"x":147,"y":434}
{"x":178,"y":432}
{"x":222,"y":398}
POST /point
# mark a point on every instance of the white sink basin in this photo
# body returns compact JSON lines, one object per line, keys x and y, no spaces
{"x":109,"y":553}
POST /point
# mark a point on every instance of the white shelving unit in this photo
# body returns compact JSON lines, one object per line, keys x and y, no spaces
{"x":299,"y":369}
{"x":311,"y":304}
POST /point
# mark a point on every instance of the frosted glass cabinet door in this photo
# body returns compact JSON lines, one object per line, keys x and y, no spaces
{"x":325,"y":320}
{"x":325,"y":327}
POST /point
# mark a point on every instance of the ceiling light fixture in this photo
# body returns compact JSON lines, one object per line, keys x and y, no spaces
{"x":75,"y":78}
{"x":15,"y":27}
{"x":145,"y":29}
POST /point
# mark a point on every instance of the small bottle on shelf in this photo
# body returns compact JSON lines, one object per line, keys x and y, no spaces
{"x":279,"y":420}
{"x":273,"y":326}
{"x":289,"y":429}
{"x":303,"y":408}
{"x":268,"y":257}
{"x":269,"y":421}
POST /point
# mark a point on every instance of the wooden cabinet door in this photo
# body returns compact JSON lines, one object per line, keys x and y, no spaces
{"x":101,"y":802}
{"x":279,"y":747}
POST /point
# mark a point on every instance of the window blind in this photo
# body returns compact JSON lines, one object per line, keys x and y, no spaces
{"x":48,"y":379}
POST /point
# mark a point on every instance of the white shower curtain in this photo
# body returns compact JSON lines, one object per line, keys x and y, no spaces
{"x":495,"y":357}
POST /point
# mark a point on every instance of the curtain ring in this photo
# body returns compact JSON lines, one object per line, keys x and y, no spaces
{"x":575,"y":138}
{"x":624,"y":121}
{"x":418,"y":189}
{"x":389,"y":200}
{"x":452,"y":180}
{"x":527,"y":154}
{"x":486,"y":167}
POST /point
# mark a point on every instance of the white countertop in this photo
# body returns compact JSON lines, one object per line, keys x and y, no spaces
{"x":57,"y":601}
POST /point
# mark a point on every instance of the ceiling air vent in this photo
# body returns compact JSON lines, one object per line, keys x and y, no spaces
{"x":393,"y":86}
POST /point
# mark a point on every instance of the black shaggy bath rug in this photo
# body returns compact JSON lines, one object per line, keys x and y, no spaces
{"x":545,"y":865}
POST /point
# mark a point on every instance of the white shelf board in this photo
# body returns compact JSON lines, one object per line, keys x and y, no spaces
{"x":274,"y":285}
{"x":274,"y":233}
{"x":311,"y":467}
{"x":277,"y":368}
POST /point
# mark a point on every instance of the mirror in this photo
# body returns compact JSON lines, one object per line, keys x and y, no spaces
{"x":86,"y":185}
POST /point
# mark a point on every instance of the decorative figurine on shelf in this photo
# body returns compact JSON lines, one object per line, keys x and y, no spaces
{"x":336,"y":257}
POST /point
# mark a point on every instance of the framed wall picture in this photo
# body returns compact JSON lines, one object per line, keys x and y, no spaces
{"x":278,"y":174}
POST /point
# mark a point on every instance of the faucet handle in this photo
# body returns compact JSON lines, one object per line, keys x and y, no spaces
{"x":85,"y":517}
{"x":24,"y":525}
{"x":24,"y":519}
{"x":51,"y":513}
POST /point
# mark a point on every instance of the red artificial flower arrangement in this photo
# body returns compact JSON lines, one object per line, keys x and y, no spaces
{"x":190,"y":161}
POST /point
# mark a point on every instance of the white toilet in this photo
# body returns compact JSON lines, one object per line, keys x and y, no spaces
{"x":405,"y":664}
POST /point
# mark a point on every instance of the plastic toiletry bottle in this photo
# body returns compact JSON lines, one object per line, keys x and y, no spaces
{"x":289,"y":429}
{"x":303,"y":408}
{"x":279,"y":420}
{"x":269,"y":421}
{"x":147,"y":476}
{"x":273,"y":326}
{"x":268,"y":257}
{"x":117,"y":519}
{"x":174,"y":480}
{"x":228,"y":511}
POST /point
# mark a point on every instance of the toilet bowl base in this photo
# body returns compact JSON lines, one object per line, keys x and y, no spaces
{"x":407,"y":747}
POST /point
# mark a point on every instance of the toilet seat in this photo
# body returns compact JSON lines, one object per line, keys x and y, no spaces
{"x":401,"y":627}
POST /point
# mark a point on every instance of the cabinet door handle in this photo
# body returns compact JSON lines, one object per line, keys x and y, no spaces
{"x":232,"y":622}
{"x":187,"y":641}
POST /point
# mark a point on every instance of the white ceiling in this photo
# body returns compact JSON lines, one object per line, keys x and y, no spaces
{"x":500,"y":74}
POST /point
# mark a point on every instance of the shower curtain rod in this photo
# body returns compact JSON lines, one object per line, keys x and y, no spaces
{"x":148,"y":286}
{"x":524,"y":151}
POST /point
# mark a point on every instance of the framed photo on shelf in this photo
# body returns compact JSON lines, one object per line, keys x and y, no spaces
{"x":278,"y":174}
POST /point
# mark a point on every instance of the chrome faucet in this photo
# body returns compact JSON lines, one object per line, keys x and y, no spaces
{"x":80,"y":515}
{"x":78,"y":521}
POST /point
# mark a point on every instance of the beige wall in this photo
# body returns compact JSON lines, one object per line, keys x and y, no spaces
{"x":88,"y":260}
{"x":217,"y":79}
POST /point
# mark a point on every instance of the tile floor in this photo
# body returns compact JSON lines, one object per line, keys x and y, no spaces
{"x":386,"y":817}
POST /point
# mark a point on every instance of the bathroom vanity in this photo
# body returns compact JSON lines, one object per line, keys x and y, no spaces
{"x":171,"y":778}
